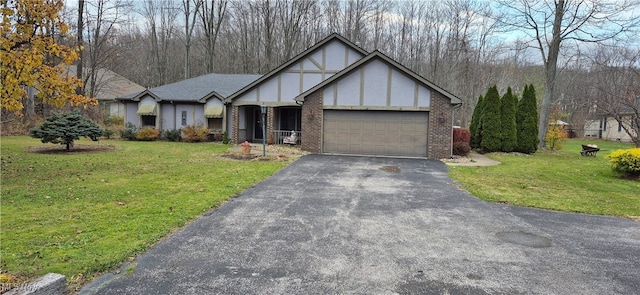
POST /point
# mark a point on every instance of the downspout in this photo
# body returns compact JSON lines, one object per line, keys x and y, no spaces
{"x":455,"y":108}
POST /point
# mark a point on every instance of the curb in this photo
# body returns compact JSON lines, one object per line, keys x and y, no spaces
{"x":49,"y":284}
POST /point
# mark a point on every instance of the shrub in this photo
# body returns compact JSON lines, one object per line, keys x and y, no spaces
{"x":66,"y":128}
{"x":626,"y":162}
{"x":147,"y":134}
{"x":173,"y":135}
{"x":509,"y":129}
{"x":195,"y":133}
{"x":461,"y":139}
{"x":461,"y":148}
{"x":129,"y":131}
{"x":556,"y":135}
{"x":491,"y":138}
{"x":527,"y":121}
{"x":476,"y":124}
{"x":107,"y":133}
{"x":461,"y":135}
{"x":225,"y":137}
{"x":113,"y":121}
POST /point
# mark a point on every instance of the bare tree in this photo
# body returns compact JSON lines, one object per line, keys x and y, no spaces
{"x":549,"y":25}
{"x":618,"y":87}
{"x":212,"y":15}
{"x":190,"y":14}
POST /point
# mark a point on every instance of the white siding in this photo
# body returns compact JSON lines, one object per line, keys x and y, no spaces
{"x":402,"y":89}
{"x":269,"y":90}
{"x":349,"y":90}
{"x":249,"y":96}
{"x":377,"y":88}
{"x":424,"y":97}
{"x":132,"y":114}
{"x":335,"y":52}
{"x":328,"y":96}
{"x":302,"y":75}
{"x":214,"y":102}
{"x":167,"y":118}
{"x":198,"y":114}
{"x":375,"y":84}
{"x":290,"y":86}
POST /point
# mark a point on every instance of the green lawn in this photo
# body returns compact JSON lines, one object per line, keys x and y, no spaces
{"x":80,"y":214}
{"x":562,"y":180}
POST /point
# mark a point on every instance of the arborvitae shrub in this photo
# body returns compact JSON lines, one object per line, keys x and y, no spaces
{"x":508,"y":129}
{"x":527,"y":121}
{"x":491,"y":138}
{"x":476,"y":123}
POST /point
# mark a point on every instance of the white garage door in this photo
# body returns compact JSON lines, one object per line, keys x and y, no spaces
{"x":385,"y":133}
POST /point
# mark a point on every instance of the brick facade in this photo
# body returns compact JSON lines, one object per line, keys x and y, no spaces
{"x":440,"y":129}
{"x":312,"y":122}
{"x":236,"y":123}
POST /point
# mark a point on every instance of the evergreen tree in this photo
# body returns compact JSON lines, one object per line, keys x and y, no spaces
{"x":527,"y":121}
{"x":474,"y":128}
{"x":65,"y":128}
{"x":491,"y":139}
{"x":508,"y":129}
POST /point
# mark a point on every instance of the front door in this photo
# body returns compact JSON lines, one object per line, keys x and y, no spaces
{"x":257,"y":128}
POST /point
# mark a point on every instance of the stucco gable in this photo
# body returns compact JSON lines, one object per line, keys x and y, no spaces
{"x":307,"y":69}
{"x":376,"y":57}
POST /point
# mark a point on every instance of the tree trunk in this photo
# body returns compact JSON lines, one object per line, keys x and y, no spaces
{"x":80,"y":44}
{"x":551,"y":65}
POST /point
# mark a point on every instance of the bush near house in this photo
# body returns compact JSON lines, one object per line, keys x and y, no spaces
{"x":461,"y":139}
{"x":147,"y":134}
{"x":626,"y":162}
{"x":173,"y":135}
{"x":195,"y":133}
{"x":129,"y":131}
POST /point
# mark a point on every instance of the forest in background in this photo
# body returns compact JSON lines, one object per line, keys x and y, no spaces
{"x":465,"y":46}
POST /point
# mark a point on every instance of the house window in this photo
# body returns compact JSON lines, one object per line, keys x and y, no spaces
{"x":604,"y":124}
{"x":290,"y":119}
{"x":619,"y":126}
{"x":184,"y":118}
{"x":214,"y":123}
{"x":148,"y":121}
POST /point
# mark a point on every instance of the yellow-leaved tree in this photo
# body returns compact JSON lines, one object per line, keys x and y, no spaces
{"x":32,"y":55}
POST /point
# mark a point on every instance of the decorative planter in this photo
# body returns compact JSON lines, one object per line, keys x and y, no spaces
{"x":246,"y":149}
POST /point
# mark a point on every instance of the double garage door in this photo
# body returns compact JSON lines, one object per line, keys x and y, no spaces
{"x":384,"y":133}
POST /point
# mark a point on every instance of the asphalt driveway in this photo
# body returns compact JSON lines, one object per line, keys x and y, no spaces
{"x":358,"y":225}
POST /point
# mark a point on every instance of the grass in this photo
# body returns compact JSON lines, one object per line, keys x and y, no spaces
{"x":561,"y":180}
{"x":81,"y":214}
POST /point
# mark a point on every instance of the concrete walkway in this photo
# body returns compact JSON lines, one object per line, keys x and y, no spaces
{"x":360,"y":225}
{"x":475,"y":159}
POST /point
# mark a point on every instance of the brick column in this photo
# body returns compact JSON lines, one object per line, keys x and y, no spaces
{"x":270,"y":115}
{"x":440,"y":129}
{"x":311,"y":139}
{"x":235,"y":119}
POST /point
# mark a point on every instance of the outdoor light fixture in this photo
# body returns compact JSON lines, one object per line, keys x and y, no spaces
{"x":441,"y":118}
{"x":263,"y":110}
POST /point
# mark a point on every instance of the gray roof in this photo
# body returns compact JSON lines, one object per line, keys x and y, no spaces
{"x":198,"y":89}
